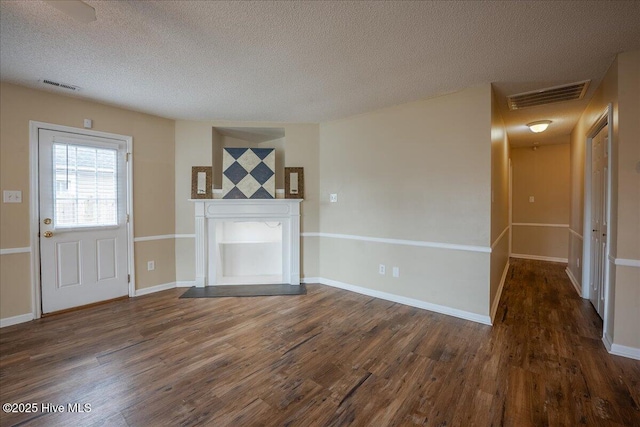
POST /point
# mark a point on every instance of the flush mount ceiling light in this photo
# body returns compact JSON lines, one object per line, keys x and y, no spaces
{"x":539,"y":126}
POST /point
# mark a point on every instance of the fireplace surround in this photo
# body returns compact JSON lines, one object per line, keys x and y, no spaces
{"x":210,"y":214}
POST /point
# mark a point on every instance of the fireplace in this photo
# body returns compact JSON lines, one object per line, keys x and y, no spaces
{"x":247,"y":241}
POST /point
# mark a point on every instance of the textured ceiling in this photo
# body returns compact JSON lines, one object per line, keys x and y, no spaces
{"x":314,"y":61}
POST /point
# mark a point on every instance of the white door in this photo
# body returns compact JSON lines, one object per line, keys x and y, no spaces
{"x":599,"y":154}
{"x":83,"y":220}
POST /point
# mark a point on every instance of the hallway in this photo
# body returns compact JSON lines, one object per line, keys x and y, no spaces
{"x":559,"y":372}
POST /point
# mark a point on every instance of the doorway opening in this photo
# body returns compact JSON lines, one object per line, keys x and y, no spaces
{"x":597,"y":207}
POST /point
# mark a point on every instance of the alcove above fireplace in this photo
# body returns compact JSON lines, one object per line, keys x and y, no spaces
{"x":243,"y":241}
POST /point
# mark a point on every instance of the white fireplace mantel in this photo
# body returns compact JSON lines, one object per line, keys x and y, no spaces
{"x":209,"y":211}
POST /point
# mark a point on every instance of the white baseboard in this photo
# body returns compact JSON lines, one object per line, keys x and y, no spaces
{"x":606,"y":339}
{"x":539,"y":258}
{"x":624,"y":351}
{"x":157,"y":288}
{"x":22,"y":318}
{"x":496,"y":300}
{"x":461,"y":314}
{"x":574,"y":282}
{"x":185,"y":283}
{"x":620,"y":350}
{"x":310,"y":280}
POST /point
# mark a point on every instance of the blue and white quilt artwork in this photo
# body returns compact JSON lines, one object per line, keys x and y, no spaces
{"x":248,"y":173}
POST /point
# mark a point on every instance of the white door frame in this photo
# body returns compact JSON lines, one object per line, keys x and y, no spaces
{"x":510,"y":205}
{"x":606,"y":118}
{"x":34,"y":207}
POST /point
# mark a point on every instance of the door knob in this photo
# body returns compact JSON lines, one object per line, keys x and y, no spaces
{"x":47,"y":221}
{"x":48,"y":234}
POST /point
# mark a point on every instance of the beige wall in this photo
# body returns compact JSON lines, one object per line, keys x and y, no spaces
{"x":15,"y":285}
{"x":153,"y":147}
{"x":627,"y":306}
{"x":195,"y":141}
{"x":499,"y":202}
{"x":627,"y":225}
{"x":544,"y":174}
{"x":419,"y":171}
{"x":628,"y":156}
{"x":194,"y":145}
{"x":621,"y":88}
{"x":217,"y":143}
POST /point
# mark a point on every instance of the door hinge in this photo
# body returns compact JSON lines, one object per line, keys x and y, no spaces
{"x":127,"y":218}
{"x":128,"y":278}
{"x":127,"y":155}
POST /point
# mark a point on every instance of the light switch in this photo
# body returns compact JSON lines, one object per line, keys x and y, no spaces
{"x":88,"y":123}
{"x":333,"y":198}
{"x":531,"y":199}
{"x":12,"y":196}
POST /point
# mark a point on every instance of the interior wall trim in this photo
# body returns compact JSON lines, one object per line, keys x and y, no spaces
{"x":156,"y":288}
{"x":627,"y":262}
{"x":494,"y":244}
{"x":164,"y":287}
{"x":575,"y":233}
{"x":539,"y":258}
{"x":606,"y":340}
{"x":496,"y":300}
{"x":620,"y":350}
{"x":164,"y":237}
{"x":420,"y":243}
{"x":539,"y":224}
{"x":625,"y":351}
{"x":412,"y":302}
{"x":185,"y":283}
{"x":14,"y":320}
{"x":574,"y":281}
{"x":9,"y":251}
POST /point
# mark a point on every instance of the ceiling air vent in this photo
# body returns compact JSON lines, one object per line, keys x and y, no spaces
{"x":61,"y":85}
{"x":550,"y":95}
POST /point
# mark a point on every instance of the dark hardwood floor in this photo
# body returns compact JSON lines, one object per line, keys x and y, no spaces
{"x":330,"y":358}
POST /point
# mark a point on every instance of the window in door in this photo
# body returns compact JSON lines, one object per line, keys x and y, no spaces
{"x":86,"y":189}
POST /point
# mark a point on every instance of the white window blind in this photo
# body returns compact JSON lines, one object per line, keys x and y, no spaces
{"x":86,"y":186}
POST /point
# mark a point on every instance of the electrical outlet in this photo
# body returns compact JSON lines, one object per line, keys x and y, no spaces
{"x":333,"y":198}
{"x":151,"y":265}
{"x":382,"y":269}
{"x":396,"y":271}
{"x":9,"y":196}
{"x":532,"y":199}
